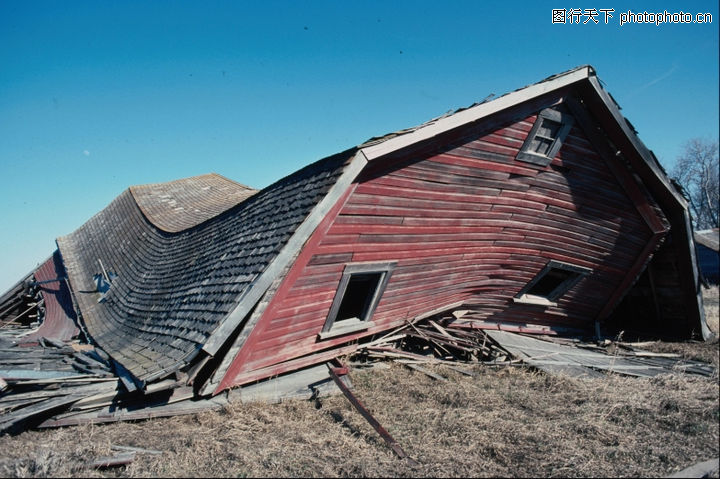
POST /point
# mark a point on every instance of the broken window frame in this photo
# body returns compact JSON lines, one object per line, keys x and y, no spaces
{"x":334,"y":327}
{"x":526,"y":297}
{"x":566,"y":122}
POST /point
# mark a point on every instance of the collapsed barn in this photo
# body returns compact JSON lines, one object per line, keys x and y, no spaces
{"x":540,"y":211}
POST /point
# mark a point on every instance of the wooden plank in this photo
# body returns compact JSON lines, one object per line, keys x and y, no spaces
{"x":138,"y":450}
{"x":121,"y":459}
{"x":162,"y":410}
{"x":417,"y":368}
{"x":278,"y":365}
{"x":369,"y":418}
{"x":36,"y":409}
{"x":707,"y":468}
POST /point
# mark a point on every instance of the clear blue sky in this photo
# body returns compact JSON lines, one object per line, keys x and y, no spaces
{"x":98,"y":95}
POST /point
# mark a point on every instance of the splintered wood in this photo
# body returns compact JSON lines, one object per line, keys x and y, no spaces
{"x":436,"y":341}
{"x":56,"y":383}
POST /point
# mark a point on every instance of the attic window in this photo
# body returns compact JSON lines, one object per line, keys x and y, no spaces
{"x":546,"y":137}
{"x":358,"y":294}
{"x":548,"y":285}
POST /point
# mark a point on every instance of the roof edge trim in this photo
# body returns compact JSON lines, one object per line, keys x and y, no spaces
{"x":635,"y":140}
{"x":286,"y":255}
{"x":477,"y":112}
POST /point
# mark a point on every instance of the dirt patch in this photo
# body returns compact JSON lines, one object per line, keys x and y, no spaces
{"x":502,"y":422}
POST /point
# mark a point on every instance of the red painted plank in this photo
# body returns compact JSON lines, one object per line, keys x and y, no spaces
{"x":409,"y":189}
{"x":514,"y":169}
{"x":411,"y":211}
{"x":453,"y":170}
{"x":439,"y":190}
{"x":280,"y":367}
{"x":386,"y":200}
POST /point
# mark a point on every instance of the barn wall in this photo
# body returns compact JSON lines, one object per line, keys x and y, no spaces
{"x":465,"y":222}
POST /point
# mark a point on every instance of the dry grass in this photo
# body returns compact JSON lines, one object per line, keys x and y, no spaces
{"x":508,"y":422}
{"x":712,"y":311}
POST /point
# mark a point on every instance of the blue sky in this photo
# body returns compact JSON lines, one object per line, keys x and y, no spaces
{"x":96,"y":96}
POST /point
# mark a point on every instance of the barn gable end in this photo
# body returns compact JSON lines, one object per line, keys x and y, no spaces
{"x":467,"y":223}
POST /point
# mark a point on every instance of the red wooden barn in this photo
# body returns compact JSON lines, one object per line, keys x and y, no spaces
{"x":538,"y":211}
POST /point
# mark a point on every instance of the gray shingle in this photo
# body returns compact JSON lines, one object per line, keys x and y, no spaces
{"x":174,"y":289}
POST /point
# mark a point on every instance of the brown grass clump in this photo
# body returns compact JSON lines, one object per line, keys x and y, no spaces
{"x":502,"y":422}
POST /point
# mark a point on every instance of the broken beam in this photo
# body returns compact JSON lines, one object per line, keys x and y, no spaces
{"x":369,"y":418}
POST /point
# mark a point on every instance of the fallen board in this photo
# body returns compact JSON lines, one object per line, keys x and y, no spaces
{"x":559,"y":358}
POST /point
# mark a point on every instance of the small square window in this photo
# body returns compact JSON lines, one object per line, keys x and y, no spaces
{"x":548,"y":285}
{"x":355,"y":304}
{"x":546,"y":137}
{"x":358,"y":294}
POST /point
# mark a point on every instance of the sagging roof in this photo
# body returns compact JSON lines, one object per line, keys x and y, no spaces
{"x":170,"y":291}
{"x":186,"y":283}
{"x":177,"y":205}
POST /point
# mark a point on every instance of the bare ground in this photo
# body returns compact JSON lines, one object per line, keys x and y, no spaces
{"x":503,"y":422}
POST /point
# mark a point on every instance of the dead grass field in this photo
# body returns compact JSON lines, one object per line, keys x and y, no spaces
{"x":502,"y":422}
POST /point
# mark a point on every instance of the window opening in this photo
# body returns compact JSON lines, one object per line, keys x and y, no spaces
{"x":546,"y":137}
{"x":552,"y":282}
{"x":357,"y":296}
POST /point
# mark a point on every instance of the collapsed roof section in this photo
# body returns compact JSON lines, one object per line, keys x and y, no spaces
{"x":169,"y":292}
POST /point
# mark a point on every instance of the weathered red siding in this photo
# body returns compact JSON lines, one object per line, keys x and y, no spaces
{"x":466,"y":223}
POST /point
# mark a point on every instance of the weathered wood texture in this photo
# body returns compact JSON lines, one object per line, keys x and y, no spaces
{"x":59,"y":319}
{"x":654,"y":306}
{"x":174,"y":291}
{"x":465,"y":222}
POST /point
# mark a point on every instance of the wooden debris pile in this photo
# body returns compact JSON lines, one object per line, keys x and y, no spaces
{"x":49,"y":377}
{"x":22,"y":305}
{"x":434,"y":341}
{"x":437,"y":340}
{"x":56,"y":383}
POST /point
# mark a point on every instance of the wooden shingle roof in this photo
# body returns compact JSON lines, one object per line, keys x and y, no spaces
{"x":174,"y":289}
{"x":177,"y":205}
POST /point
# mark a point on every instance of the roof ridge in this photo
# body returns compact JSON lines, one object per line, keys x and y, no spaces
{"x":178,"y":205}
